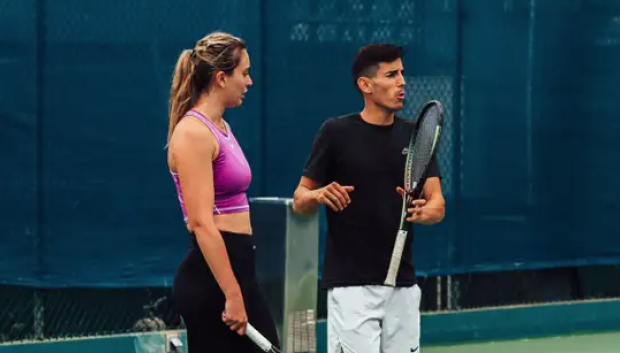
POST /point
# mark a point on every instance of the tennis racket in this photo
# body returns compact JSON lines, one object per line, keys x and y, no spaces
{"x":422,"y":147}
{"x":260,"y":340}
{"x":301,"y":334}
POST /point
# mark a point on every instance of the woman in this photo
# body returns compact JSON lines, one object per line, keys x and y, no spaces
{"x":215,"y":288}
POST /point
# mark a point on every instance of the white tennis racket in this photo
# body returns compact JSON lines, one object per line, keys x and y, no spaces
{"x":301,"y":337}
{"x":260,"y":340}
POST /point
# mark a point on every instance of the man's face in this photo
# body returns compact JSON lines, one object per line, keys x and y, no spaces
{"x":387,"y":88}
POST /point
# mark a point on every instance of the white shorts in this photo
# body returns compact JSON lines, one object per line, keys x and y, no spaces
{"x":373,"y":319}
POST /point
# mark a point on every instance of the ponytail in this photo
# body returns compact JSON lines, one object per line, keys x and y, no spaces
{"x":183,"y":91}
{"x":217,"y":51}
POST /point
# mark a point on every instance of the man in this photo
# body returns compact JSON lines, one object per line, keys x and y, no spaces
{"x":356,"y":169}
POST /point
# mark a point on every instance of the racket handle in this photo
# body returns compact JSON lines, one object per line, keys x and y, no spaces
{"x":257,"y":338}
{"x":397,"y":253}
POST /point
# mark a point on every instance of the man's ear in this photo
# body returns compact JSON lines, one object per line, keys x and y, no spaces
{"x":364,"y":84}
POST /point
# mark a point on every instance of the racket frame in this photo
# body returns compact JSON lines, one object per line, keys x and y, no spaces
{"x":412,"y":190}
{"x":260,"y":340}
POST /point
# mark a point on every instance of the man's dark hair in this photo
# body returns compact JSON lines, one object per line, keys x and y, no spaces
{"x":369,"y":57}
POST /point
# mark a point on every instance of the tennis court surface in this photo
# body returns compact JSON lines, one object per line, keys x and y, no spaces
{"x":594,"y":343}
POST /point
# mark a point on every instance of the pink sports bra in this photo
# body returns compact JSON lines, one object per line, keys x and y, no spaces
{"x":231,"y":172}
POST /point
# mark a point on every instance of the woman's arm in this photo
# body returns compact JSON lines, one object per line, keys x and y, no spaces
{"x":193,"y":148}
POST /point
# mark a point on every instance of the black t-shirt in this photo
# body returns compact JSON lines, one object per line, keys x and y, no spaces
{"x":371,"y":158}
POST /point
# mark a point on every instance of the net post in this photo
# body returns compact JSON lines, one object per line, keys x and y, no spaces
{"x":287,"y":246}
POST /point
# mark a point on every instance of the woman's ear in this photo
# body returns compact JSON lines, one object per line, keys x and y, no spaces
{"x":220,"y":79}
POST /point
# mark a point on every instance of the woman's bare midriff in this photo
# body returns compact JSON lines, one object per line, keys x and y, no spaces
{"x":232,"y":222}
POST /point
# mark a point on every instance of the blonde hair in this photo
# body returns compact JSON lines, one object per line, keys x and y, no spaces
{"x":195,"y":68}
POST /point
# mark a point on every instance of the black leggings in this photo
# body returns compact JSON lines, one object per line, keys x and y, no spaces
{"x":200,"y":300}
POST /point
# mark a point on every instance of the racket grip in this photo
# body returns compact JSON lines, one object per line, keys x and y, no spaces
{"x":397,"y":253}
{"x":257,"y":338}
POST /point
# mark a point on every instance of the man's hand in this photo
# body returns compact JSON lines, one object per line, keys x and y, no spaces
{"x":417,"y":211}
{"x":334,"y":196}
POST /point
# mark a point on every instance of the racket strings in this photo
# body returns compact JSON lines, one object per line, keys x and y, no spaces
{"x":424,"y":145}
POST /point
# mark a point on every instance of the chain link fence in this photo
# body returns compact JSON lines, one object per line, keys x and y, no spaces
{"x":35,"y":314}
{"x":29,"y":314}
{"x":499,"y":68}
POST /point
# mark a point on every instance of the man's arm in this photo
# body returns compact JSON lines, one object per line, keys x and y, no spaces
{"x":311,"y":190}
{"x":432,"y":208}
{"x":309,"y":195}
{"x":305,"y":198}
{"x":435,"y":208}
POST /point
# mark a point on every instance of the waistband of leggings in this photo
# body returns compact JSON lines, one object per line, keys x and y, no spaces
{"x":232,"y":240}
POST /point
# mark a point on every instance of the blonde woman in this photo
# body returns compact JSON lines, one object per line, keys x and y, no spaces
{"x":215,"y":288}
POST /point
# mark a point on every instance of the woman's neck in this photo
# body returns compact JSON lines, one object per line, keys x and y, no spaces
{"x":211,"y":107}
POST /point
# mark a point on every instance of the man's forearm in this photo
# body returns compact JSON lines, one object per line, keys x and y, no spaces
{"x":305,"y":201}
{"x":434,"y":210}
